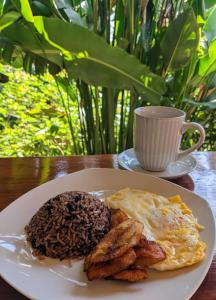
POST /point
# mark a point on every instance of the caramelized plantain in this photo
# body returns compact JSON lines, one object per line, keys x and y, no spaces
{"x":148,"y":253}
{"x":117,"y":217}
{"x":108,"y":268}
{"x":131,"y":275}
{"x":117,"y":241}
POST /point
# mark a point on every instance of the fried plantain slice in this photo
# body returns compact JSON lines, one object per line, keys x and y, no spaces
{"x":144,"y":243}
{"x":148,"y":253}
{"x":117,"y":241}
{"x":131,"y":275}
{"x":147,"y":248}
{"x":108,"y":268}
{"x":142,"y":263}
{"x":117,"y":217}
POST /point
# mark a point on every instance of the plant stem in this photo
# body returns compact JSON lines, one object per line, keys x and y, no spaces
{"x":79,"y":109}
{"x":121,"y":127}
{"x":69,"y":120}
{"x":129,"y":138}
{"x":97,"y":145}
{"x":86,"y":99}
{"x":110,"y":118}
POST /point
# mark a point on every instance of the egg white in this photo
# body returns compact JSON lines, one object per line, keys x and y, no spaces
{"x":167,"y":221}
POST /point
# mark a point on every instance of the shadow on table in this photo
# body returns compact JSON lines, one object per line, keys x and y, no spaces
{"x":185,"y":181}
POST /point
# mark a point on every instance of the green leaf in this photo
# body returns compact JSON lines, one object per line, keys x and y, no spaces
{"x":39,"y":25}
{"x":180,"y":41}
{"x":8,"y":19}
{"x":199,"y":8}
{"x":6,"y":6}
{"x":1,"y":7}
{"x":100,"y":64}
{"x":119,"y":22}
{"x":208,"y":63}
{"x":3,"y":112}
{"x":54,"y":128}
{"x":209,"y":3}
{"x":8,"y":52}
{"x":65,"y":8}
{"x":26,"y":11}
{"x":209,"y":105}
{"x":29,"y":42}
{"x":40,"y":9}
{"x":210,"y":26}
{"x":97,"y":62}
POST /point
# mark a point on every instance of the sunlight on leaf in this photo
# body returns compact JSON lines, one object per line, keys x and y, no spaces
{"x":209,"y":105}
{"x":39,"y":25}
{"x":8,"y":19}
{"x":26,"y":11}
{"x":208,"y":62}
{"x":180,"y":41}
{"x":105,"y":65}
{"x":210,"y":26}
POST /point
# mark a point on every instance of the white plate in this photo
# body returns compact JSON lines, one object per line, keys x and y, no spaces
{"x":51,"y":279}
{"x":127,"y":160}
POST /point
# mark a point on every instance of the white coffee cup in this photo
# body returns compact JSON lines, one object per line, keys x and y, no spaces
{"x":158,"y":132}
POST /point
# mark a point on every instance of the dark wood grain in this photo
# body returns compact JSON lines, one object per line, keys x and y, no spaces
{"x":19,"y":175}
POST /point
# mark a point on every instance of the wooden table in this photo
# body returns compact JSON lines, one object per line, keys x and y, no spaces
{"x":19,"y":175}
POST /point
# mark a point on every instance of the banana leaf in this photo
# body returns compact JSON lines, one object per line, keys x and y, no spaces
{"x":92,"y":59}
{"x":210,"y":26}
{"x":180,"y":41}
{"x":8,"y":19}
{"x":207,"y":105}
{"x":99,"y":63}
{"x":208,"y":63}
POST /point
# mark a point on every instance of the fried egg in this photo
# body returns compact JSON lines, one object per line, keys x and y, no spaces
{"x":168,"y":221}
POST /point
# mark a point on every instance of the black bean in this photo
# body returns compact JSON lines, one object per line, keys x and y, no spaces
{"x":33,"y":242}
{"x":42,"y":249}
{"x":71,"y":206}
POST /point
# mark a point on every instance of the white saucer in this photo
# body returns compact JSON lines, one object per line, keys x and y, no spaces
{"x":128,"y":161}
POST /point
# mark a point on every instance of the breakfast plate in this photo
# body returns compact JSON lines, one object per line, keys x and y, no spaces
{"x":127,"y":160}
{"x":64,"y":280}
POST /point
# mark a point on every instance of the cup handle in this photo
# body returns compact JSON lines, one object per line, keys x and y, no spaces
{"x":201,"y":140}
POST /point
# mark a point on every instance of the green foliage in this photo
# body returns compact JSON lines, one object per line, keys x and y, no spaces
{"x":210,"y":27}
{"x":26,"y":11}
{"x":32,"y":119}
{"x":8,"y":19}
{"x":36,"y":118}
{"x":93,"y":61}
{"x":208,"y":62}
{"x":99,"y":64}
{"x":109,"y":57}
{"x":180,"y":41}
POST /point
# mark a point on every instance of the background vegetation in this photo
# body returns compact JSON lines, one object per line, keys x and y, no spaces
{"x":33,"y":121}
{"x":86,"y":103}
{"x":32,"y":118}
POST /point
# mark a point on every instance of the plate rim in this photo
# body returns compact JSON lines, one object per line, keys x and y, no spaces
{"x":126,"y":167}
{"x":211,"y":255}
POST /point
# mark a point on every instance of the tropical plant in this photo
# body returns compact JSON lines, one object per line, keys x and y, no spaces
{"x":112,"y":56}
{"x":32,"y":119}
{"x":34,"y":116}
